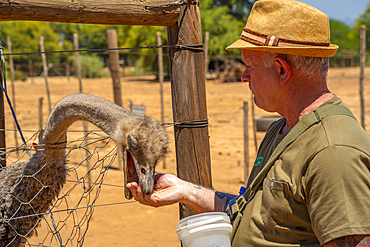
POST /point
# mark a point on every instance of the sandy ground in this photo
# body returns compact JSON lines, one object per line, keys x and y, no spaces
{"x":132,"y":224}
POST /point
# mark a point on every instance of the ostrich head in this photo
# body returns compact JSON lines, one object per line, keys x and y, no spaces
{"x":147,"y":142}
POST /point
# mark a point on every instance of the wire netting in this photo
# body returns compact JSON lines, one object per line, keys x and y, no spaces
{"x":66,"y":222}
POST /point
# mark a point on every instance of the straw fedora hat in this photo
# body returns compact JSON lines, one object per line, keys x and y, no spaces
{"x":286,"y":27}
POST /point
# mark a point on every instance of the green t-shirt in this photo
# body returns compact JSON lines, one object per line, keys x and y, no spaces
{"x":316,"y":191}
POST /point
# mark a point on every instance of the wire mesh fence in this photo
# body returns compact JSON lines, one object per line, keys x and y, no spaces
{"x":66,"y":222}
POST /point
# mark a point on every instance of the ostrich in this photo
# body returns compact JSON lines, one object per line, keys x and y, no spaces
{"x":30,"y":188}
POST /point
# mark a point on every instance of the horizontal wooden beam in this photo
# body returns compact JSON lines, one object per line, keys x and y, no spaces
{"x":112,"y":12}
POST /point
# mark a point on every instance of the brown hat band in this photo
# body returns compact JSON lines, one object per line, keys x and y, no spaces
{"x":267,"y":40}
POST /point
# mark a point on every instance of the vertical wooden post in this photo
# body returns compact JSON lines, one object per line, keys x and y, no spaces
{"x":217,"y":67}
{"x":362,"y":72}
{"x":11,"y":65}
{"x":114,"y":65}
{"x":246,"y":142}
{"x":30,"y":68}
{"x":160,"y":72}
{"x":76,"y":47}
{"x":206,"y":41}
{"x":45,"y":68}
{"x":189,"y":100}
{"x":68,"y":74}
{"x":2,"y":117}
{"x":41,"y":124}
{"x":161,"y":79}
{"x":12,"y":77}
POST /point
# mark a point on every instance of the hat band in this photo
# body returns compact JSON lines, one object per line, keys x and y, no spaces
{"x":261,"y":39}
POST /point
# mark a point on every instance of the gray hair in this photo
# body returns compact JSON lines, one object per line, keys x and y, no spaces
{"x":307,"y":66}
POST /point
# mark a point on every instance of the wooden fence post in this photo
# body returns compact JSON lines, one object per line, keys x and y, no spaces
{"x":45,"y":68}
{"x":362,"y":72}
{"x":114,"y":65}
{"x":41,"y":124}
{"x":30,"y":68}
{"x":12,"y":77}
{"x":246,"y":142}
{"x":189,"y":100}
{"x":2,"y":118}
{"x":161,"y":79}
{"x":76,"y":47}
{"x":11,"y":65}
{"x":68,"y":73}
{"x":206,"y":41}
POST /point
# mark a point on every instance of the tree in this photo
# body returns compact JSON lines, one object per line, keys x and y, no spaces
{"x":238,"y":8}
{"x":223,"y":27}
{"x":343,"y":36}
{"x":142,"y":36}
{"x":25,"y":37}
{"x":363,"y":19}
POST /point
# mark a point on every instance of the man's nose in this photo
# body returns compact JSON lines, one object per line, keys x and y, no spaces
{"x":246,"y":76}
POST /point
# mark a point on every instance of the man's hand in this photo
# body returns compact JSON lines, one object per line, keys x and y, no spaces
{"x":168,"y":189}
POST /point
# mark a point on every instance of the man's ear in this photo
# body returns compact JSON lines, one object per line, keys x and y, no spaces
{"x":284,"y":68}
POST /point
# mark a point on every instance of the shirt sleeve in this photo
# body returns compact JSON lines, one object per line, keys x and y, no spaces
{"x":337,"y":189}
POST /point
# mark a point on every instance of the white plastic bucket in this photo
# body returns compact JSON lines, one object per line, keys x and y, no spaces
{"x":205,"y":230}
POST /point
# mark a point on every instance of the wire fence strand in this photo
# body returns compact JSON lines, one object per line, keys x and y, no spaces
{"x":66,"y":222}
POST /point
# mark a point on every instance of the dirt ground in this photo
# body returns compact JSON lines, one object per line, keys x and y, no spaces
{"x":132,"y":224}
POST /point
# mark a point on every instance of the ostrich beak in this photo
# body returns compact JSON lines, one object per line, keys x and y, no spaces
{"x":133,"y":172}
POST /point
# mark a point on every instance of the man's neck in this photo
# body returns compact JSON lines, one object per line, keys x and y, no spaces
{"x":296,"y":113}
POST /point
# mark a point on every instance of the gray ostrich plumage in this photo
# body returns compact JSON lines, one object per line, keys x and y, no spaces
{"x":30,"y":188}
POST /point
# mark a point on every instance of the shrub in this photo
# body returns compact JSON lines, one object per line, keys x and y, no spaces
{"x":91,"y":66}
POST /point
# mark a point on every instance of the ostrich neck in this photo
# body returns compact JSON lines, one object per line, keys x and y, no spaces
{"x":111,"y":118}
{"x":36,"y":184}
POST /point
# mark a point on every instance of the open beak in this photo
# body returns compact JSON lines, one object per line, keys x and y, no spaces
{"x":144,"y":176}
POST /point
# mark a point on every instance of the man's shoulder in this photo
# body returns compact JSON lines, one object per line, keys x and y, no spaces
{"x":341,"y":128}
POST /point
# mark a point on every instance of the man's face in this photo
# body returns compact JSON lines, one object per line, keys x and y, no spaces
{"x":263,"y":80}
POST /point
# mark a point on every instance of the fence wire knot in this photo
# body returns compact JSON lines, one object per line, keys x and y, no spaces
{"x":188,"y":124}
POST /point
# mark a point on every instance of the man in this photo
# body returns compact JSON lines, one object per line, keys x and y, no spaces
{"x":311,"y":184}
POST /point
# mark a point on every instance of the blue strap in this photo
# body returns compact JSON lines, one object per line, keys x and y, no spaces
{"x":3,"y":87}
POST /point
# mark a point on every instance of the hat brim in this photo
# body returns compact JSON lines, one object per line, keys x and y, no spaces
{"x":309,"y":51}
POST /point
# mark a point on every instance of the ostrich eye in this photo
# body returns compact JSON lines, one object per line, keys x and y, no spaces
{"x":143,"y":171}
{"x":132,"y":140}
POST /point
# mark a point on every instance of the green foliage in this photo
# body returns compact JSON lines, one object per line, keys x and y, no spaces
{"x":95,"y":37}
{"x":343,"y":36}
{"x":238,"y":8}
{"x":142,"y":36}
{"x":25,"y":37}
{"x":91,"y":65}
{"x":223,"y":27}
{"x":19,"y":75}
{"x":219,"y":20}
{"x":363,"y":19}
{"x":223,"y":19}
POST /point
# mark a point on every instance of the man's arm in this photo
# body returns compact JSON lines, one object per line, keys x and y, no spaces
{"x":221,"y":199}
{"x":169,"y":189}
{"x":350,"y":241}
